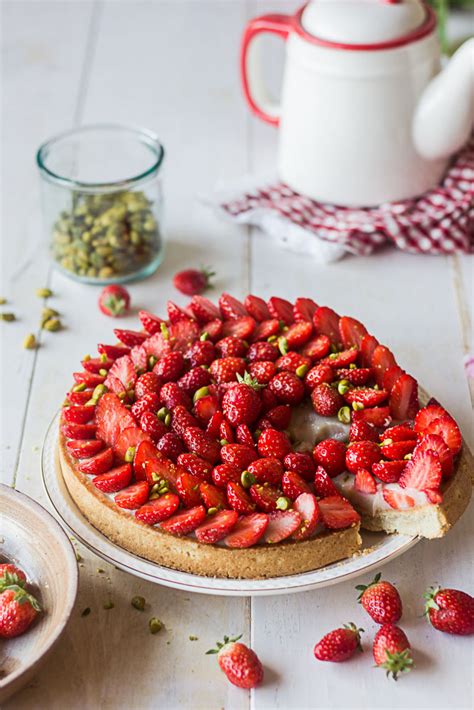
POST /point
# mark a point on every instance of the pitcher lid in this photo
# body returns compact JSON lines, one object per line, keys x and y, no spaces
{"x":366,"y":23}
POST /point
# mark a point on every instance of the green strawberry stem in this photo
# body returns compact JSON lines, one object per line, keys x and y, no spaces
{"x":362,"y":587}
{"x":398,"y":662}
{"x":221,"y":645}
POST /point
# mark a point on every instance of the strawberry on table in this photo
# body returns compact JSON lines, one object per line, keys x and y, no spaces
{"x":18,"y":610}
{"x":381,"y":600}
{"x":240,"y":664}
{"x":217,"y":526}
{"x":114,"y":300}
{"x":339,"y":645}
{"x":11,"y":574}
{"x":247,"y":531}
{"x":391,"y":650}
{"x":159,"y":509}
{"x":193,"y":281}
{"x":450,"y":611}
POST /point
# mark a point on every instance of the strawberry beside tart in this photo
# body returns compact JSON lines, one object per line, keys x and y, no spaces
{"x":253,"y":439}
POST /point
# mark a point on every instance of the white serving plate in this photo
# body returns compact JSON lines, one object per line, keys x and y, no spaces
{"x":378,"y":548}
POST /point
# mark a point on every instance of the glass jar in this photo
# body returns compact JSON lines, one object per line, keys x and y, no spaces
{"x":102,"y":202}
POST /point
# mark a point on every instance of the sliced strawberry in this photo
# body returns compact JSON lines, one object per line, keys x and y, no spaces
{"x":114,"y":385}
{"x":317,"y":347}
{"x":205,"y":408}
{"x":100,"y":463}
{"x":230,"y":307}
{"x":404,"y":398}
{"x":307,"y":506}
{"x":241,"y":327}
{"x":113,"y":351}
{"x":382,"y":359}
{"x":185,"y":522}
{"x":342,"y":359}
{"x":159,"y":509}
{"x":243,"y":435}
{"x":448,"y":430}
{"x":146,"y":451}
{"x":213,"y":329}
{"x":390,"y":376}
{"x":304,"y":310}
{"x":83,"y":449}
{"x":366,"y":395}
{"x":399,"y":432}
{"x":337,"y":513}
{"x":196,"y":465}
{"x":88,"y":378}
{"x":124,"y":370}
{"x":435,"y":443}
{"x":239,"y":499}
{"x":323,"y":485}
{"x":247,"y":531}
{"x":293,"y":485}
{"x":114,"y":480}
{"x":388,"y":471}
{"x":130,"y":337}
{"x":422,"y":471}
{"x":79,"y":414}
{"x":217,"y":527}
{"x":426,"y":415}
{"x":326,"y":322}
{"x":175,"y":313}
{"x":159,"y":468}
{"x":367,"y":347}
{"x":257,"y":308}
{"x":433,"y":496}
{"x":398,"y":449}
{"x":265,"y":497}
{"x":214,"y":424}
{"x":365,"y":482}
{"x":351,"y":331}
{"x":187,"y":486}
{"x":281,"y":309}
{"x":203,"y":309}
{"x":79,"y":397}
{"x":95,"y":364}
{"x":183,"y":334}
{"x":378,"y":416}
{"x":157,"y":345}
{"x":129,"y":438}
{"x":358,"y":376}
{"x":79,"y":431}
{"x":139,"y":357}
{"x":133,"y":496}
{"x":212,"y":497}
{"x":266,"y":329}
{"x":281,"y":525}
{"x":150,"y":322}
{"x":362,"y":431}
{"x":298,"y":334}
{"x":397,"y":499}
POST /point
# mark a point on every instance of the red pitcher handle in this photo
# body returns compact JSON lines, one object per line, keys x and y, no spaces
{"x":255,"y":91}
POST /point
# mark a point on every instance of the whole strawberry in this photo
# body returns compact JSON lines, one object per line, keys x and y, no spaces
{"x":240,"y":664}
{"x":241,"y":404}
{"x":326,"y":400}
{"x":18,"y":609}
{"x":11,"y":574}
{"x":114,"y":300}
{"x":391,"y":650}
{"x":192,"y":281}
{"x":450,"y":610}
{"x":380,"y":600}
{"x":339,"y":645}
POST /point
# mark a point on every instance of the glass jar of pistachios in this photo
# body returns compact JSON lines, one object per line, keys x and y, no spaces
{"x":102,"y":202}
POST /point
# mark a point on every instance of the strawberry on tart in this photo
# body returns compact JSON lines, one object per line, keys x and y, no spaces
{"x":253,"y":439}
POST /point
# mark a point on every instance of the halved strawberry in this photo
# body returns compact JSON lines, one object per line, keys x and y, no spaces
{"x":422,"y":471}
{"x":323,"y":485}
{"x":83,"y":449}
{"x":212,"y":497}
{"x":95,"y":364}
{"x":399,"y":432}
{"x":243,"y":435}
{"x":133,"y":496}
{"x":307,"y":506}
{"x":390,"y":376}
{"x":79,"y":397}
{"x":114,"y":385}
{"x":213,"y":329}
{"x":317,"y":347}
{"x":436,"y":444}
{"x":293,"y":485}
{"x":114,"y":480}
{"x":398,"y":449}
{"x":175,"y":313}
{"x":241,"y":327}
{"x":326,"y":322}
{"x":205,"y":408}
{"x":265,"y":497}
{"x":397,"y":499}
{"x":351,"y":331}
{"x":217,"y":526}
{"x":79,"y":414}
{"x":100,"y":463}
{"x":183,"y":334}
{"x":130,"y":337}
{"x":146,"y":451}
{"x":281,"y":309}
{"x":304,"y":310}
{"x":266,"y":329}
{"x":113,"y":351}
{"x":365,"y":482}
{"x":298,"y":334}
{"x":362,"y":431}
{"x":267,"y":470}
{"x":239,"y":499}
{"x":159,"y":509}
{"x":196,"y":465}
{"x":344,"y":358}
{"x":378,"y":416}
{"x":88,"y":378}
{"x":79,"y":431}
{"x":185,"y":522}
{"x":150,"y":322}
{"x":187,"y":486}
{"x":160,"y":467}
{"x":124,"y":370}
{"x":129,"y":438}
{"x":448,"y":430}
{"x":404,"y":398}
{"x":367,"y":396}
{"x":367,"y":347}
{"x":257,"y":308}
{"x":230,"y":307}
{"x":139,"y":357}
{"x":388,"y":471}
{"x":247,"y":531}
{"x":203,"y":309}
{"x":382,"y":359}
{"x":433,"y":496}
{"x":337,"y":513}
{"x":157,"y":345}
{"x":358,"y":376}
{"x":281,"y":525}
{"x":426,"y":415}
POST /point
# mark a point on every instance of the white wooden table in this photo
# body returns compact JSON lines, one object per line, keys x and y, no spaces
{"x":172,"y":66}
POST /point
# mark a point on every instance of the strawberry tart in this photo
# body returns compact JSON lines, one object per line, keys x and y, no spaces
{"x":253,"y":439}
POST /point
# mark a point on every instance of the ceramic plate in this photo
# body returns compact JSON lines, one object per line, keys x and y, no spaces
{"x":380,"y":548}
{"x":32,"y":538}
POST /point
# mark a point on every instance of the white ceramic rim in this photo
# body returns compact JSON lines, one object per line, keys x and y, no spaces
{"x":72,"y":575}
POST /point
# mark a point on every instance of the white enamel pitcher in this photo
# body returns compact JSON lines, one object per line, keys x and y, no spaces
{"x":365,"y":116}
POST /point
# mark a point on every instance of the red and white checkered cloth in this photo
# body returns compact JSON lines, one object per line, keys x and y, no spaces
{"x":439,"y":222}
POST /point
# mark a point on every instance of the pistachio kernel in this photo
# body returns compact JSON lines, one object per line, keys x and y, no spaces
{"x":8,"y":317}
{"x":344,"y":415}
{"x":386,"y":442}
{"x":86,"y":358}
{"x":130,"y":453}
{"x":408,"y":457}
{"x":302,"y":370}
{"x":29,"y":342}
{"x":86,"y":611}
{"x":152,"y":360}
{"x":283,"y":503}
{"x":343,"y":386}
{"x":80,"y":387}
{"x":155,"y":625}
{"x":99,"y":391}
{"x":200,"y":393}
{"x":44,"y":292}
{"x":122,"y":396}
{"x":138,"y":603}
{"x":161,"y":413}
{"x":352,"y":366}
{"x":154,"y":495}
{"x":164,"y":331}
{"x":272,"y":338}
{"x":167,"y":419}
{"x":212,"y":511}
{"x":247,"y":479}
{"x":109,"y":604}
{"x":357,"y":406}
{"x":103,"y":372}
{"x":283,"y":345}
{"x":2,"y":301}
{"x":103,"y":357}
{"x":223,"y":442}
{"x":52,"y":324}
{"x":155,"y":477}
{"x":204,"y":336}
